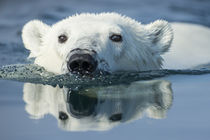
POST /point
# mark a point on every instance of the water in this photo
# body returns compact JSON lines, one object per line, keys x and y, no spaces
{"x":183,"y":115}
{"x":33,"y":73}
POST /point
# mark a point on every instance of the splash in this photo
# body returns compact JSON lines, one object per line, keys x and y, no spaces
{"x":32,"y":73}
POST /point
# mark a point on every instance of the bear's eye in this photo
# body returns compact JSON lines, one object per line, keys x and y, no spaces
{"x":63,"y":116}
{"x":62,"y":38}
{"x":116,"y":38}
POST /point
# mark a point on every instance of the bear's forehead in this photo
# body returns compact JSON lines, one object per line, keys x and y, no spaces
{"x":87,"y":26}
{"x":87,"y":22}
{"x":96,"y":21}
{"x":103,"y":17}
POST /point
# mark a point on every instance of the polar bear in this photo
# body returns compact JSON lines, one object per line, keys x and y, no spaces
{"x":99,"y":108}
{"x":87,"y":43}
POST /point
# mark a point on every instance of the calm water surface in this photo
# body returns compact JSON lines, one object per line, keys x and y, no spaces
{"x":179,"y":112}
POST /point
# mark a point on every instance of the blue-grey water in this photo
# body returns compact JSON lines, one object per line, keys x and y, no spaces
{"x":183,"y":115}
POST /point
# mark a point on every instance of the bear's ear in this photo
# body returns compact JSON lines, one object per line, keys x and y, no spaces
{"x":32,"y":35}
{"x":161,"y":35}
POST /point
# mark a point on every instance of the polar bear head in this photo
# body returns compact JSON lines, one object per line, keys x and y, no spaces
{"x":87,"y":43}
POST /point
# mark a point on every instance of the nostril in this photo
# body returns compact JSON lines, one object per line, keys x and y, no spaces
{"x":86,"y":66}
{"x":74,"y":65}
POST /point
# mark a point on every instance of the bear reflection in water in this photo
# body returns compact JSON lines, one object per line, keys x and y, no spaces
{"x":99,"y":108}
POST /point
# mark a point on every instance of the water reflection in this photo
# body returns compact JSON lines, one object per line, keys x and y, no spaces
{"x":99,"y":108}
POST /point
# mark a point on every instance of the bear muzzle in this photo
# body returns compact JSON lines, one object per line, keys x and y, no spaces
{"x":82,"y":63}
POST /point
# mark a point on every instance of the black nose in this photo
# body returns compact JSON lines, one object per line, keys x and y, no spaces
{"x":82,"y":63}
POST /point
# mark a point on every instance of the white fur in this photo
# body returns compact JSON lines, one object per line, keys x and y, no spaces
{"x":152,"y":98}
{"x":140,"y":49}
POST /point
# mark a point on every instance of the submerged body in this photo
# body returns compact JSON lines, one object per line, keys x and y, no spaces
{"x":190,"y":47}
